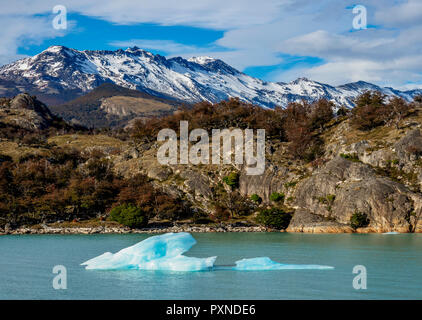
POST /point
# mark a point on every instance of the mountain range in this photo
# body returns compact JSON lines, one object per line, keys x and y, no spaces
{"x":60,"y":74}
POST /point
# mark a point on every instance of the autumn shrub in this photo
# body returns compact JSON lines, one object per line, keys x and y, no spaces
{"x":235,"y":204}
{"x":225,"y":114}
{"x":302,"y":123}
{"x":100,"y":168}
{"x":201,"y":217}
{"x":5,"y":158}
{"x":370,"y":110}
{"x":171,"y":208}
{"x":396,"y":110}
{"x":321,"y":113}
{"x":342,"y":112}
{"x":220,"y":213}
{"x":56,"y":186}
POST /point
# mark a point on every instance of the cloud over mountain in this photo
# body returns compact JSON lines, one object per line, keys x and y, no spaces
{"x":64,"y":73}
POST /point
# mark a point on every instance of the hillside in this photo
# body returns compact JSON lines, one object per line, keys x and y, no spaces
{"x":358,"y":171}
{"x":110,"y":105}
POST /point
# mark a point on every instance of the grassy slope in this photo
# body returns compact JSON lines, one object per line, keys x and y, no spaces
{"x":86,"y":109}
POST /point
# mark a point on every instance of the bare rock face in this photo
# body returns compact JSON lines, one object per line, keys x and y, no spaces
{"x":409,"y":146}
{"x":379,"y":158}
{"x":326,"y":201}
{"x":196,"y":184}
{"x":29,"y":112}
{"x":272,"y":180}
{"x":159,"y":173}
{"x":305,"y":221}
{"x":408,"y":151}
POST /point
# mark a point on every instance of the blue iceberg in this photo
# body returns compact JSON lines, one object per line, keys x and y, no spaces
{"x":265,"y":263}
{"x":165,"y":252}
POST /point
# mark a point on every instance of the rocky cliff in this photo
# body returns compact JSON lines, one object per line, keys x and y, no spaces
{"x":376,"y":174}
{"x":363,"y":180}
{"x":26,"y":111}
{"x":332,"y":194}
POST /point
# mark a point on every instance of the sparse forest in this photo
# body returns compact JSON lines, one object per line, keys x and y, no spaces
{"x":62,"y":183}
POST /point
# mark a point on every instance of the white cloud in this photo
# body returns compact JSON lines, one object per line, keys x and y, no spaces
{"x":406,"y":13}
{"x":237,"y":58}
{"x":17,"y":31}
{"x":214,"y":14}
{"x":333,"y":46}
{"x":257,"y":33}
{"x":395,"y":73}
{"x":384,"y":57}
{"x":218,"y":14}
{"x":168,"y":46}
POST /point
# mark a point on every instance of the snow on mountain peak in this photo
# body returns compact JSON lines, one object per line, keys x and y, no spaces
{"x":59,"y":69}
{"x":301,"y":79}
{"x":132,"y":49}
{"x":58,"y":50}
{"x":54,"y":49}
{"x":201,"y":60}
{"x":137,"y":50}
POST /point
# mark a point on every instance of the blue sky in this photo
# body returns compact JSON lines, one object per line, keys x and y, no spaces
{"x":88,"y":33}
{"x":275,"y":40}
{"x":93,"y":34}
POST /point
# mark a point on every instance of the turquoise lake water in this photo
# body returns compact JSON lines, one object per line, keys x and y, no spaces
{"x":393,"y":264}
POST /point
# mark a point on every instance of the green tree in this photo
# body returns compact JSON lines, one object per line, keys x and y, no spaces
{"x":129,"y":215}
{"x":277,"y":197}
{"x":359,"y":220}
{"x":232,"y":180}
{"x":256,"y":198}
{"x":274,"y":218}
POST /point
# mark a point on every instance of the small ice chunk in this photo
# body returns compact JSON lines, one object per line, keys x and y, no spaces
{"x":265,"y":263}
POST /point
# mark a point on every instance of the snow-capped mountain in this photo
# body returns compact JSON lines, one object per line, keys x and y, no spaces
{"x":66,"y":73}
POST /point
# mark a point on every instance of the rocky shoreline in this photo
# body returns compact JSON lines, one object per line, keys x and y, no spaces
{"x":184,"y":228}
{"x":125,"y":230}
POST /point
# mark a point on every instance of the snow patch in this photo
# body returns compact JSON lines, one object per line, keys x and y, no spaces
{"x":201,"y":60}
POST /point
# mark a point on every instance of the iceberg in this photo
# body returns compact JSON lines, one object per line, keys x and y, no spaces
{"x":165,"y":252}
{"x":265,"y":263}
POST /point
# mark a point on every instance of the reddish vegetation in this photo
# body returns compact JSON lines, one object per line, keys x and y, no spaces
{"x":66,"y":184}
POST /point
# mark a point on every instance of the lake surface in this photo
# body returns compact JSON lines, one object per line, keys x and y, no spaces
{"x":393,"y":264}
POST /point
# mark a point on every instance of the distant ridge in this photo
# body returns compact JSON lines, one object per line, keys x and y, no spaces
{"x":59,"y":74}
{"x":110,"y":105}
